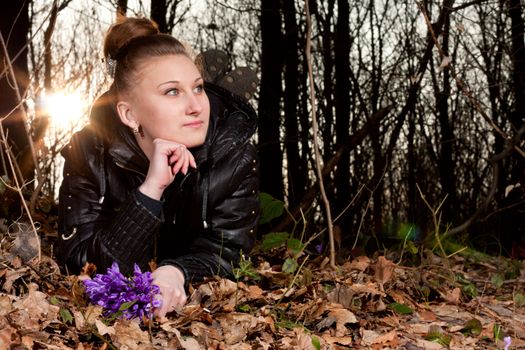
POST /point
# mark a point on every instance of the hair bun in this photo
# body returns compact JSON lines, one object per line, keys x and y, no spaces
{"x":125,"y":29}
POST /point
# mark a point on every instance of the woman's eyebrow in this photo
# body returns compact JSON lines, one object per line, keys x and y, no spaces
{"x":177,"y":82}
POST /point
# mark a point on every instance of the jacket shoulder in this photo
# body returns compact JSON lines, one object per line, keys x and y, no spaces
{"x":84,"y":151}
{"x":233,"y":122}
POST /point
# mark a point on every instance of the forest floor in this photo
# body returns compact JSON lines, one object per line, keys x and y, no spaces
{"x":464,"y":301}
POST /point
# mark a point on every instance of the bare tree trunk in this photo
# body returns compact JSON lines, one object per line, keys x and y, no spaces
{"x":514,"y":235}
{"x":14,"y":28}
{"x":47,"y":46}
{"x":296,"y":170}
{"x":326,"y":103}
{"x":269,"y":100}
{"x":446,"y":163}
{"x":122,"y":8}
{"x":342,"y":102}
{"x":159,"y":9}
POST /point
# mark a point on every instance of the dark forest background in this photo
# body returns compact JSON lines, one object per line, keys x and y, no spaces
{"x":420,"y":106}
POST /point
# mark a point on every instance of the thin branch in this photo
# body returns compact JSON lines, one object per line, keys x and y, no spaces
{"x":315,"y":137}
{"x":9,"y":156}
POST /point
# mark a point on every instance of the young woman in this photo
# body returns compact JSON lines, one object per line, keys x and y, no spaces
{"x":164,"y":172}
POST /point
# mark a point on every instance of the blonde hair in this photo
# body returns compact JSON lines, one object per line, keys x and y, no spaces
{"x":132,"y":40}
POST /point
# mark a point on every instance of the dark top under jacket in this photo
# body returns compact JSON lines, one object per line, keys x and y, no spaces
{"x":206,"y":219}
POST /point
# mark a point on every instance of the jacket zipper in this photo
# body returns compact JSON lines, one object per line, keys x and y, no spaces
{"x":122,"y":166}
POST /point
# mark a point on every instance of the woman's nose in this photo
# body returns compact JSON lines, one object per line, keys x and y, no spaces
{"x":195,"y":105}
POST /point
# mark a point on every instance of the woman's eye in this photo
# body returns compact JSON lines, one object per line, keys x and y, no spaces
{"x":172,"y":92}
{"x":198,"y":89}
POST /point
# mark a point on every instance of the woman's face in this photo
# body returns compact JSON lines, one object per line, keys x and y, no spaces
{"x":169,"y":102}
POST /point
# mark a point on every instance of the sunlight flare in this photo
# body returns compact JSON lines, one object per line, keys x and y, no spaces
{"x":65,"y":108}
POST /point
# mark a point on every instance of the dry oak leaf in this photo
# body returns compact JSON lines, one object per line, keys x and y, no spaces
{"x":237,"y":326}
{"x":11,"y":276}
{"x":427,"y":315}
{"x":360,"y":263}
{"x":103,"y":329}
{"x":129,"y":335}
{"x":300,"y":341}
{"x":342,"y":317}
{"x":37,"y":306}
{"x":7,"y":335}
{"x":6,"y":304}
{"x":384,"y":270}
{"x":346,"y":341}
{"x":186,"y":343}
{"x":202,"y":331}
{"x":452,"y":296}
{"x":369,"y":288}
{"x":376,"y":340}
{"x":343,"y":295}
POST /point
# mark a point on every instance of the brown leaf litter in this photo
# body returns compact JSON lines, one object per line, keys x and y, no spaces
{"x":364,"y":304}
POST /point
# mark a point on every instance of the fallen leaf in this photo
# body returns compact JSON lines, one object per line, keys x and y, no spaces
{"x":361,"y":263}
{"x":187,"y":343}
{"x":7,"y":337}
{"x":383,"y":270}
{"x":426,"y":315}
{"x":37,"y":306}
{"x":103,"y":329}
{"x":236,"y":326}
{"x":346,"y":341}
{"x":5,"y":305}
{"x":299,"y":341}
{"x":343,"y":295}
{"x":26,"y":245}
{"x":11,"y":276}
{"x":342,"y":317}
{"x":128,"y":334}
{"x":452,"y":296}
{"x":368,"y":336}
{"x":391,"y":339}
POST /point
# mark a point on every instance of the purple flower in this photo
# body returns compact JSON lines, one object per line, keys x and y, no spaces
{"x":507,"y":341}
{"x":121,"y":296}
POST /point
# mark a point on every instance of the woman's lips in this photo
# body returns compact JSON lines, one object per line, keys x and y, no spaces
{"x":195,"y":124}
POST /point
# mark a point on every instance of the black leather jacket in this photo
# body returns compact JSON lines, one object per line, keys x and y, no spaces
{"x":209,"y":216}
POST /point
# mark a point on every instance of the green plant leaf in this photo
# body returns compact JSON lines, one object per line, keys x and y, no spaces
{"x":125,"y":306}
{"x":435,"y":334}
{"x":519,"y":300}
{"x":316,"y":343}
{"x":66,"y":316}
{"x":295,"y":246}
{"x":244,"y":308}
{"x":290,"y":265}
{"x":497,"y":331}
{"x":54,"y":300}
{"x":497,"y":280}
{"x":274,"y":240}
{"x":271,"y":208}
{"x":470,"y":290}
{"x":472,"y":327}
{"x":400,"y":308}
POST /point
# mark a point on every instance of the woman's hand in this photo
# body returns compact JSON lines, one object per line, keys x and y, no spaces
{"x":170,"y":280}
{"x":167,"y":159}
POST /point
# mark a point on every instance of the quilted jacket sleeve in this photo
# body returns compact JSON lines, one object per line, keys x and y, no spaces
{"x":91,"y":231}
{"x":233,"y":218}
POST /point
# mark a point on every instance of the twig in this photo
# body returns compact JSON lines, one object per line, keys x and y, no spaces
{"x":462,"y":86}
{"x":315,"y":137}
{"x":20,"y":100}
{"x":8,"y":152}
{"x":314,"y":236}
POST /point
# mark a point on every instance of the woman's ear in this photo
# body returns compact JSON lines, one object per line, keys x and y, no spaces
{"x":126,"y":115}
